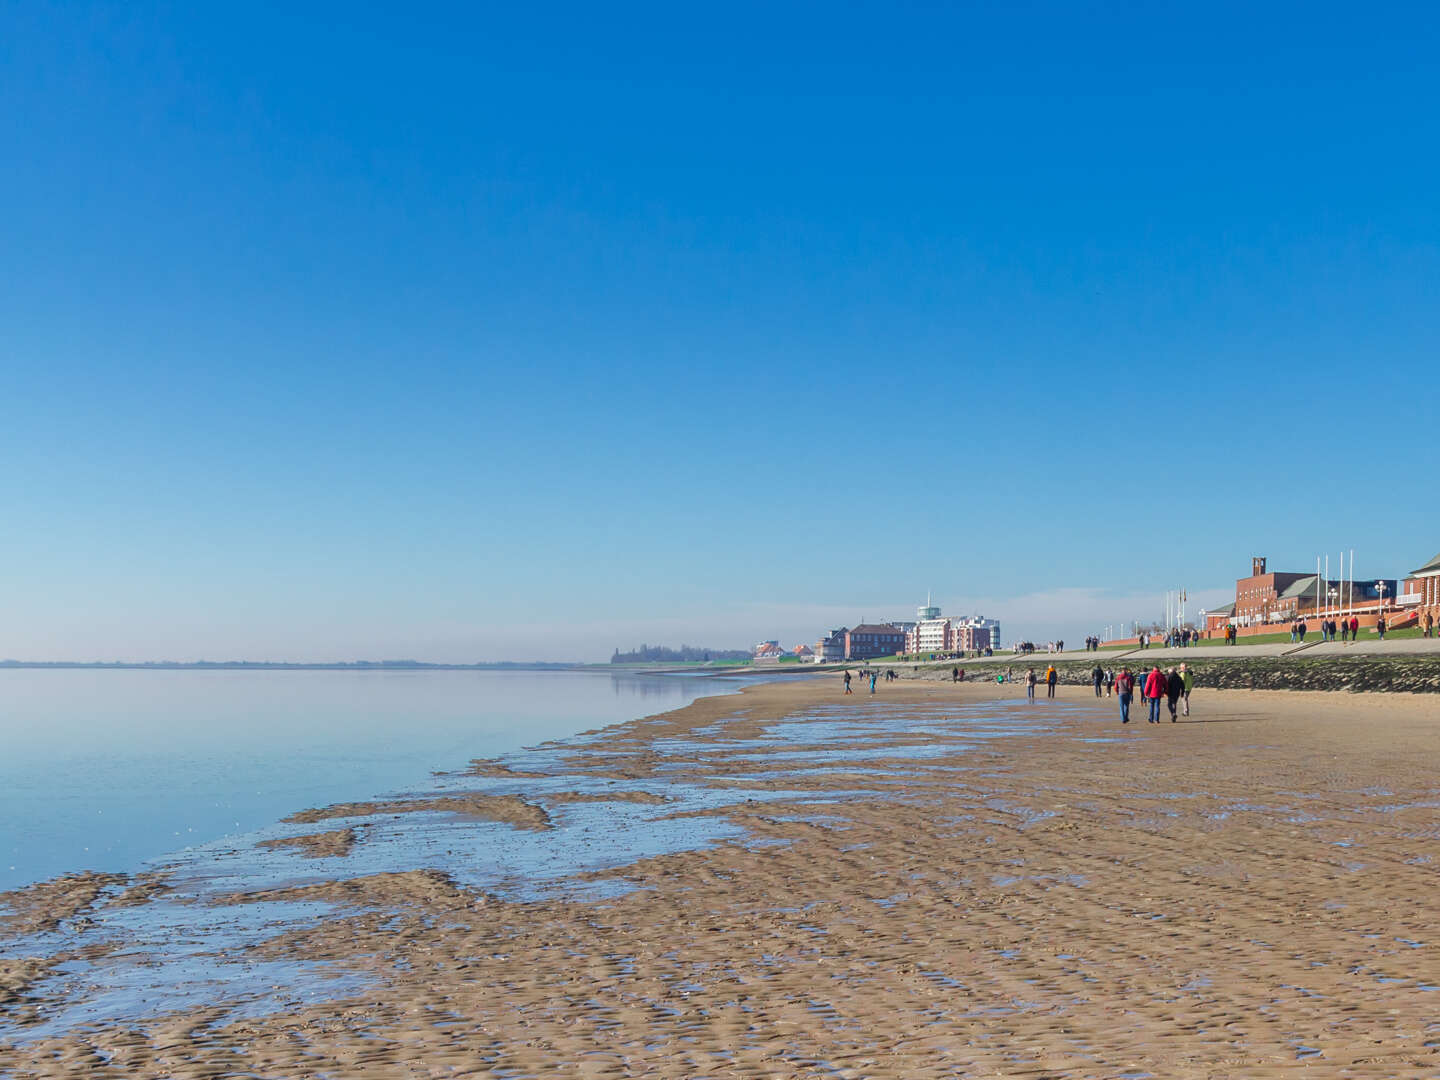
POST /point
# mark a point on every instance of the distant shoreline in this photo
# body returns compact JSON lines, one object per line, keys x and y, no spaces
{"x":261,"y":665}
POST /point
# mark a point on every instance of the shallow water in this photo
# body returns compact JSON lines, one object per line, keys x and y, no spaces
{"x":182,"y":948}
{"x":103,"y":770}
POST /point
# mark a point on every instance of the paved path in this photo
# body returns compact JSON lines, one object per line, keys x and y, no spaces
{"x":1314,"y":647}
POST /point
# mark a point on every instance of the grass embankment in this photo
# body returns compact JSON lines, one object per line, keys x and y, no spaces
{"x":1414,"y":674}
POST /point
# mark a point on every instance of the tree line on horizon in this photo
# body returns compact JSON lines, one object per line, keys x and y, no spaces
{"x":688,"y":654}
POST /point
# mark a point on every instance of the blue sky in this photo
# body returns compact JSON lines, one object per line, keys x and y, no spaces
{"x":488,"y":332}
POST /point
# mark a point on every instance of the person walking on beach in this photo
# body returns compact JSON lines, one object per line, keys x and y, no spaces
{"x":1050,"y":677}
{"x":1125,"y":687}
{"x":1109,"y":681}
{"x":847,"y":683}
{"x":1030,"y":684}
{"x":1174,"y":687}
{"x":1154,"y":691}
{"x":1098,"y":678}
{"x":872,"y":682}
{"x":954,"y":674}
{"x":1187,"y":683}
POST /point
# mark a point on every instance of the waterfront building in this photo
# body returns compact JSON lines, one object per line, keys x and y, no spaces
{"x":831,"y":649}
{"x":930,"y":635}
{"x":977,"y":629}
{"x":970,"y":637}
{"x":1278,"y":596}
{"x":869,"y":640}
{"x":1422,"y":590}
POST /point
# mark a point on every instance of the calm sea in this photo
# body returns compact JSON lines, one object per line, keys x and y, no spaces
{"x":105,"y":770}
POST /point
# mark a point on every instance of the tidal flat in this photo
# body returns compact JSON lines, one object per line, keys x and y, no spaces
{"x":933,"y":881}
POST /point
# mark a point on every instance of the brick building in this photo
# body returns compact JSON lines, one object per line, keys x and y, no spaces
{"x":1279,"y":597}
{"x":1272,"y":597}
{"x":869,"y":640}
{"x":1424,"y":585}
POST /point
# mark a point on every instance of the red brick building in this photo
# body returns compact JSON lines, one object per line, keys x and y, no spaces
{"x":1265,"y":597}
{"x":869,"y":640}
{"x":1424,"y":584}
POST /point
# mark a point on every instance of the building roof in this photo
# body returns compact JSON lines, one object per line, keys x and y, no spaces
{"x":1305,"y":586}
{"x":1431,"y":567}
{"x":873,"y":628}
{"x":1228,"y":609}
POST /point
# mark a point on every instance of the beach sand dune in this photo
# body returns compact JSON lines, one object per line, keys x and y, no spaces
{"x":1047,"y":894}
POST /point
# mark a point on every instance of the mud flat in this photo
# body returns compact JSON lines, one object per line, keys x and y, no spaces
{"x":936,"y":881}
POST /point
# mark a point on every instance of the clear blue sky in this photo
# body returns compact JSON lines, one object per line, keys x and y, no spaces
{"x":510,"y":331}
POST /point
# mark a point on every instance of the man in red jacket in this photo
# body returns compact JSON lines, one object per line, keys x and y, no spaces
{"x":1154,"y":691}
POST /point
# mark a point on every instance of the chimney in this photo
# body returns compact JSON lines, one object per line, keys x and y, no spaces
{"x":1257,"y":566}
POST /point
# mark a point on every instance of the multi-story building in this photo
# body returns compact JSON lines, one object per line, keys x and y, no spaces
{"x":930,"y":635}
{"x":869,"y":640}
{"x":965,"y":637}
{"x":1271,"y":597}
{"x":831,"y":649}
{"x":976,"y":629}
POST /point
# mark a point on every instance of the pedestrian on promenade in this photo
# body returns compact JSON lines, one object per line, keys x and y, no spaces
{"x":1109,"y":681}
{"x":1380,"y":627}
{"x":1187,"y":679}
{"x":1125,"y":687}
{"x":1429,"y":625}
{"x":1050,"y":677}
{"x":1354,"y":628}
{"x":1174,"y":687}
{"x":1098,"y":678}
{"x":1344,"y":629}
{"x":847,"y":683}
{"x":1154,"y":691}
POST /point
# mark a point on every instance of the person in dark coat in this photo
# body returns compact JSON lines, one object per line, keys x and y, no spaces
{"x":1174,"y":687}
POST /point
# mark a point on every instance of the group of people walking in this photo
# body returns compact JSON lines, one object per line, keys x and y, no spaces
{"x":1156,"y":687}
{"x":1172,"y":687}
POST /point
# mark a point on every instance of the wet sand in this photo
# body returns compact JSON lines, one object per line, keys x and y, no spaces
{"x":1041,"y":894}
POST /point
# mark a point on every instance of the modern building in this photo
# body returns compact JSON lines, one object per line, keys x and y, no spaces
{"x":869,"y":640}
{"x":927,"y":612}
{"x":929,"y":635}
{"x":975,"y":629}
{"x":966,"y":637}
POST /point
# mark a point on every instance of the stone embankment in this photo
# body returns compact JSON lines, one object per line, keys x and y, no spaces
{"x":1405,"y":674}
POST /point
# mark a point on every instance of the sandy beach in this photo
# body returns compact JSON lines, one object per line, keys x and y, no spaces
{"x":1037,"y":893}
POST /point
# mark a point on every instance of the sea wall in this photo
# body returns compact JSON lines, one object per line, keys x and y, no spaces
{"x":1406,"y":674}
